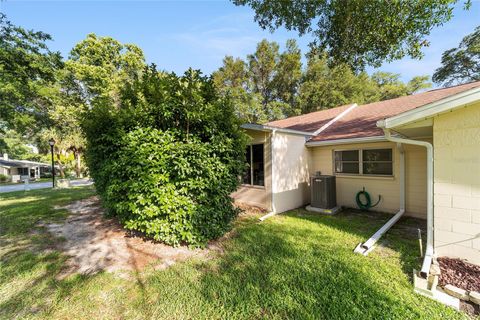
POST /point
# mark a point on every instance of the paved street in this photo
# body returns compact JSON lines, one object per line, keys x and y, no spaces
{"x":42,"y":185}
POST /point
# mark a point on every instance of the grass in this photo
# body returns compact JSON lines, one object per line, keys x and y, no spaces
{"x":295,"y":265}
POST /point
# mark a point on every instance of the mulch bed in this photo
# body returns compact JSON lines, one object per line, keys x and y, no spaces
{"x":459,"y":273}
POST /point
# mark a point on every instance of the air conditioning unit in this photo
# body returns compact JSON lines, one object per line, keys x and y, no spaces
{"x":323,"y":189}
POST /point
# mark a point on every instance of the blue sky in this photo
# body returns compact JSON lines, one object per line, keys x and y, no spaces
{"x":176,"y":35}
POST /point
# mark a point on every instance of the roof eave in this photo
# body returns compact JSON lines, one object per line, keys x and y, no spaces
{"x":261,"y":127}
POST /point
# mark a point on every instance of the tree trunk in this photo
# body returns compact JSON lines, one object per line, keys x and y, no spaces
{"x":78,"y":170}
{"x":60,"y":167}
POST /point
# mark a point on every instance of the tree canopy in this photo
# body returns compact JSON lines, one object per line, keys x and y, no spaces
{"x":357,"y":32}
{"x":271,"y":85}
{"x":462,"y":64}
{"x":27,"y":74}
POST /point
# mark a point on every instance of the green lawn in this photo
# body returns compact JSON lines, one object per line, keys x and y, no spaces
{"x":291,"y":266}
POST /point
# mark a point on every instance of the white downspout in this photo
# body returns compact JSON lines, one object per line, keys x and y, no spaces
{"x":429,"y":250}
{"x":367,"y":246}
{"x":272,"y":179}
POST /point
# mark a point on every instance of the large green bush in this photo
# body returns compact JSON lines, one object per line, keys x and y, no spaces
{"x":166,"y":157}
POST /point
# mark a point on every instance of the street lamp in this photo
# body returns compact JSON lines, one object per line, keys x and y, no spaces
{"x":51,"y":142}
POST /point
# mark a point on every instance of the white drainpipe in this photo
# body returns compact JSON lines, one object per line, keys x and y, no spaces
{"x":367,"y":246}
{"x":429,"y":250}
{"x":272,"y":179}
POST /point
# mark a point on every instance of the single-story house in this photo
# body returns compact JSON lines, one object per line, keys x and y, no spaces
{"x":19,"y":170}
{"x":420,"y":153}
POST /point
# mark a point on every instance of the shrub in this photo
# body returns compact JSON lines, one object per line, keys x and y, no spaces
{"x":4,"y":178}
{"x":167,"y":158}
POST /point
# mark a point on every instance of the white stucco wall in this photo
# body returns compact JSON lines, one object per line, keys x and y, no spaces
{"x":290,"y":181}
{"x":456,"y":137}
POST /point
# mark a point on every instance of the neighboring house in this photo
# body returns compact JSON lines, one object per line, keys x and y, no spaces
{"x":382,"y":147}
{"x":19,"y":170}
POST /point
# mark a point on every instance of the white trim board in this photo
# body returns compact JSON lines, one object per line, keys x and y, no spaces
{"x":345,"y":141}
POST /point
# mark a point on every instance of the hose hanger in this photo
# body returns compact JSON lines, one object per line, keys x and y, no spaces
{"x":367,"y":203}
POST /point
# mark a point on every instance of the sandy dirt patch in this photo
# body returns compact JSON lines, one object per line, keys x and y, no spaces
{"x":95,"y":243}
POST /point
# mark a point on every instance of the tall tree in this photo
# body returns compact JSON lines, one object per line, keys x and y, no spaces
{"x":233,"y":80}
{"x":391,"y":86}
{"x":462,"y":64}
{"x":27,"y":72}
{"x":358,"y":32}
{"x":265,"y":87}
{"x":324,"y":86}
{"x":288,"y":73}
{"x":262,"y":64}
{"x":98,"y":67}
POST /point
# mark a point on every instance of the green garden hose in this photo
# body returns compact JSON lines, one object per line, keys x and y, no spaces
{"x":368,"y":201}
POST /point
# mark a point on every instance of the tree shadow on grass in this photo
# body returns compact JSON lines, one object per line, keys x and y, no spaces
{"x":292,"y":268}
{"x":401,"y":239}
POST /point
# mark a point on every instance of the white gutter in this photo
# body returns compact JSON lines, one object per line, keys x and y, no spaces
{"x":429,"y":250}
{"x":345,"y":141}
{"x":272,"y":185}
{"x":367,"y":246}
{"x":329,"y":123}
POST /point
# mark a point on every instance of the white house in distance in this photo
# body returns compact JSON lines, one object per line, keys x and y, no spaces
{"x":421,"y":153}
{"x":20,"y":170}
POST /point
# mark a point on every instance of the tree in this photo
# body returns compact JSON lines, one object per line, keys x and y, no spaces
{"x":288,"y":73}
{"x":462,"y":64}
{"x":233,"y":80}
{"x":265,"y":87}
{"x":27,"y":72}
{"x":358,"y":32}
{"x":390,"y":86}
{"x":15,"y":145}
{"x":98,"y":67}
{"x":324,"y":86}
{"x":262,"y":65}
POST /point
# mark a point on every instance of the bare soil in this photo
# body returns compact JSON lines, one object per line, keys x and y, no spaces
{"x":95,"y":243}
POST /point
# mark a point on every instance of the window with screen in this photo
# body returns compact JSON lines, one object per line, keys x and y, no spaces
{"x":255,"y":172}
{"x":22,"y":171}
{"x":365,"y":162}
{"x":347,"y":161}
{"x":377,"y":162}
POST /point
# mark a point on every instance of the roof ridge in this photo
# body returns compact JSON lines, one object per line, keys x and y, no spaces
{"x":310,"y":113}
{"x":443,"y":88}
{"x":340,"y":115}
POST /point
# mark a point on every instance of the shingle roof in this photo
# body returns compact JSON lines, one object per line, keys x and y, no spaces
{"x":362,"y":121}
{"x":19,"y":163}
{"x":309,"y":122}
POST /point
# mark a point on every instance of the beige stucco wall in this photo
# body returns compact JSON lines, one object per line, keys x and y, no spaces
{"x":4,"y":171}
{"x":290,"y":171}
{"x":387,"y":187}
{"x":456,"y":138}
{"x":256,"y":195}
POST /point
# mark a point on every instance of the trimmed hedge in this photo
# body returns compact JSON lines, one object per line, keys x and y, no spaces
{"x":167,"y":158}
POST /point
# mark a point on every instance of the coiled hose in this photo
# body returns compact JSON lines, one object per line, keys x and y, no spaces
{"x":368,"y":201}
